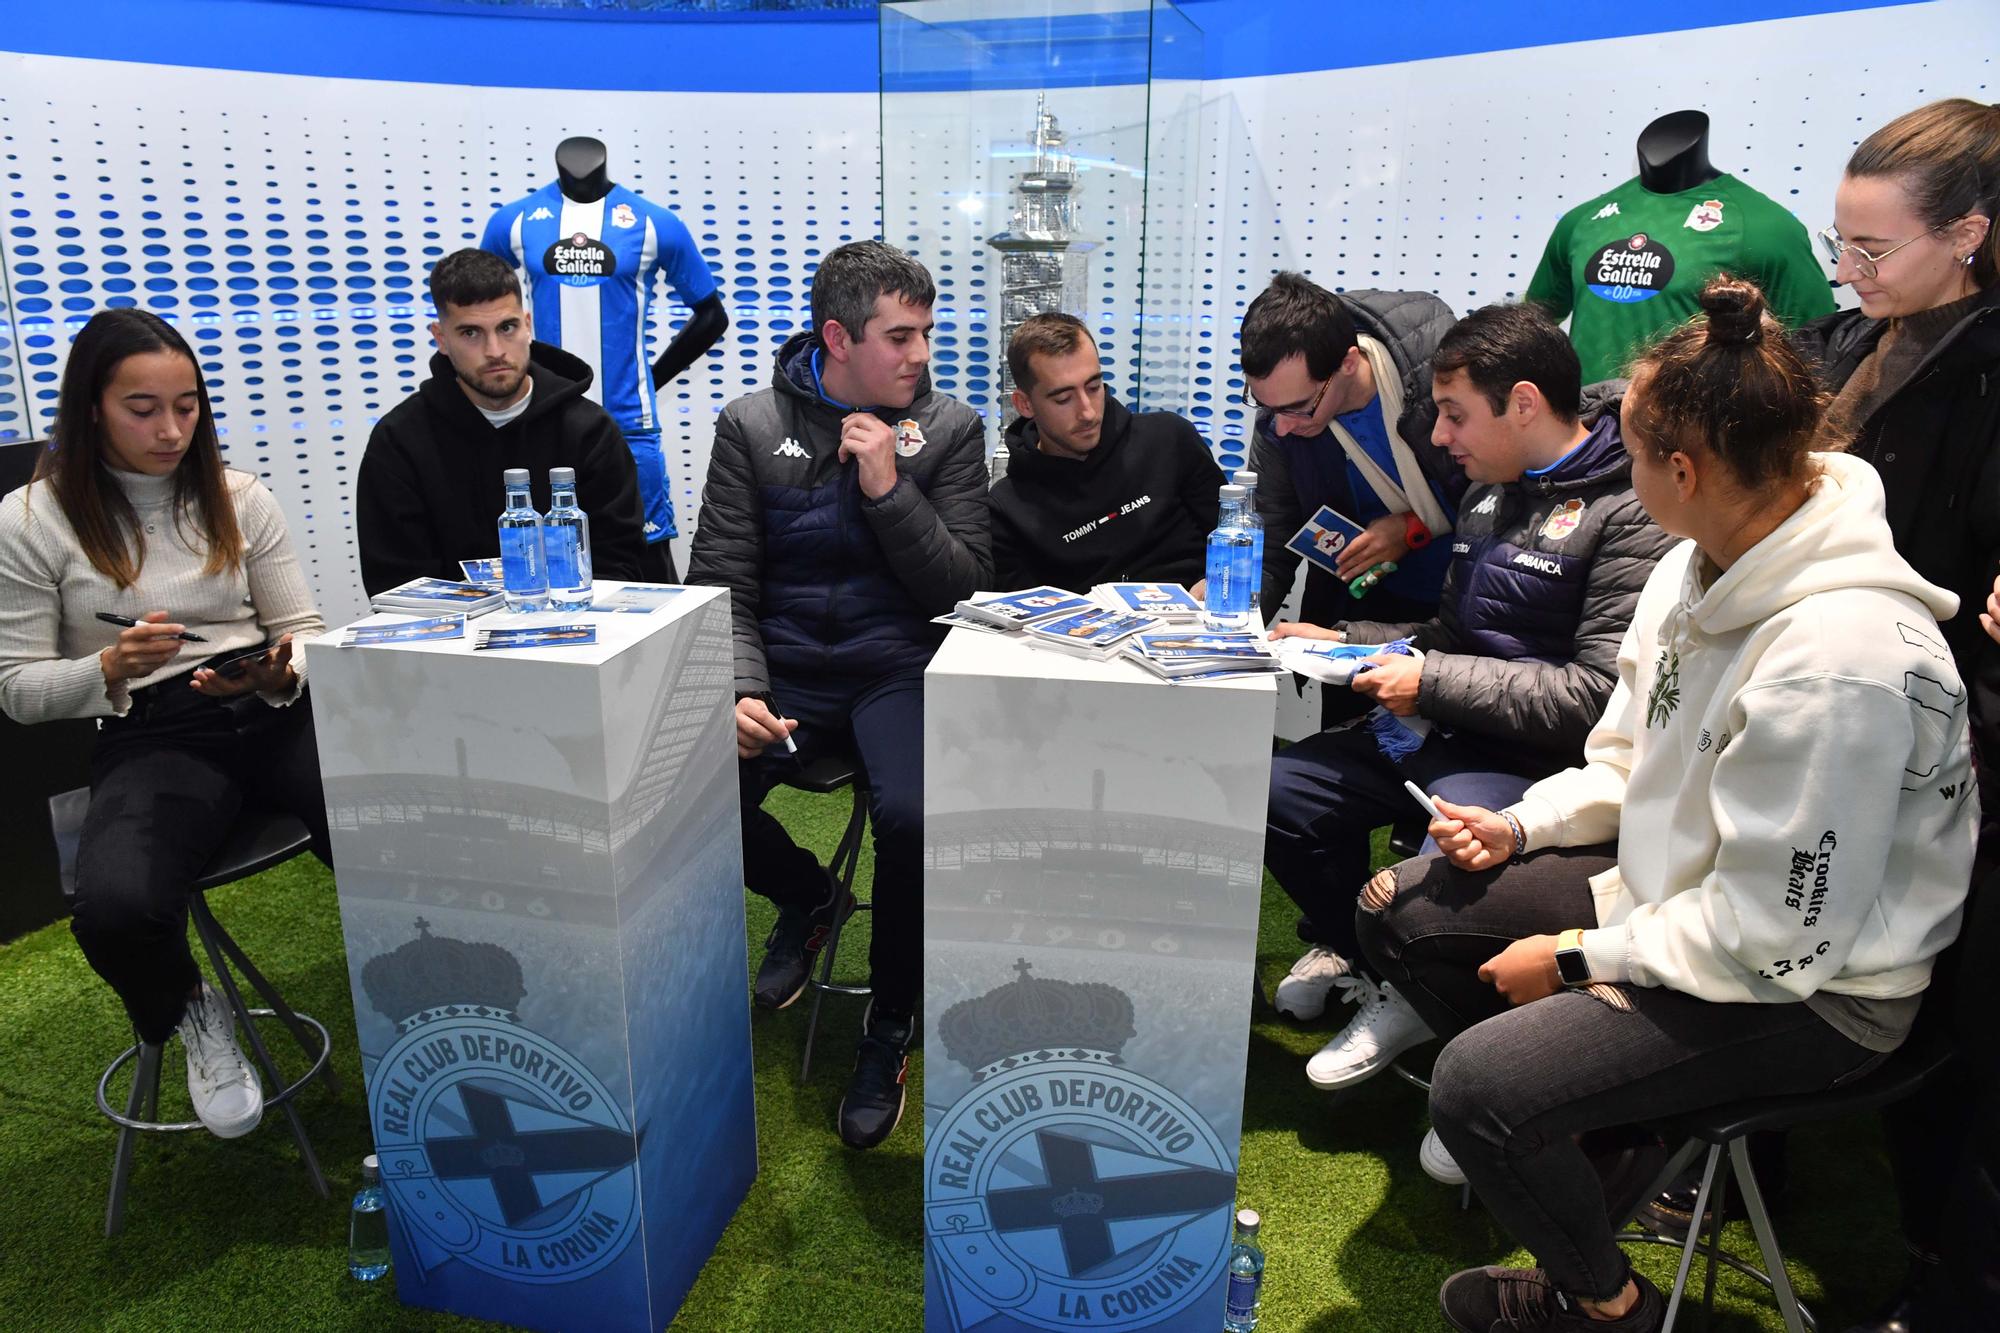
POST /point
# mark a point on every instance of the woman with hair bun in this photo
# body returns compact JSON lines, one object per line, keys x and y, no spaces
{"x":132,"y":545}
{"x":1702,"y":912}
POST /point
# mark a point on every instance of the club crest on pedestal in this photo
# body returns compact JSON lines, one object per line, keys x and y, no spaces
{"x":498,"y":1148}
{"x":1063,"y":1189}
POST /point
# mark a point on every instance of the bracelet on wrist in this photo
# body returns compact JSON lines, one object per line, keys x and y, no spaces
{"x":1520,"y":837}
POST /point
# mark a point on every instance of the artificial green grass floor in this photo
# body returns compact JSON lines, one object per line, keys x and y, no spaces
{"x":229,"y":1235}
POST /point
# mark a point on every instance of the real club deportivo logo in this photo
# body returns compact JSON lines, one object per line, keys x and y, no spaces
{"x":1063,"y":1189}
{"x":1637,"y":268}
{"x":1704,"y":216}
{"x":1563,"y":520}
{"x":909,"y":438}
{"x":580,"y":261}
{"x":623,"y":216}
{"x":498,"y":1148}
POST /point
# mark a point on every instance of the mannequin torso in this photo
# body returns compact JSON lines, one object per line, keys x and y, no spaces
{"x":1673,"y":153}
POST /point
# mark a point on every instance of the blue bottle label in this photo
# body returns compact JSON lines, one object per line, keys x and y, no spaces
{"x":1242,"y":1299}
{"x":1229,"y":575}
{"x":561,"y":548}
{"x":521,"y":560}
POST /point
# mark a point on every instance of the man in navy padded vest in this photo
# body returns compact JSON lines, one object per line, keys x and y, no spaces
{"x":1548,"y":556}
{"x":845,"y":506}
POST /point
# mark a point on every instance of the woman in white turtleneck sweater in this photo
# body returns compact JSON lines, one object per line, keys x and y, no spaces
{"x":132,"y":514}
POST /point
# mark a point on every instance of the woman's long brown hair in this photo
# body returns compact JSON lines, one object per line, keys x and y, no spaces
{"x":75,"y":466}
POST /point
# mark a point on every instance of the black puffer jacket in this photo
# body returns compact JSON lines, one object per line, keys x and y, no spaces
{"x":1410,"y":325}
{"x":1545,"y":573}
{"x":1138,"y":507}
{"x":823,"y":579}
{"x":1936,"y":443}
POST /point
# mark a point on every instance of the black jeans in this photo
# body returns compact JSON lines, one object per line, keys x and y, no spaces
{"x":882,"y":722}
{"x":1328,"y":792}
{"x":166,"y":782}
{"x":1515,"y":1086}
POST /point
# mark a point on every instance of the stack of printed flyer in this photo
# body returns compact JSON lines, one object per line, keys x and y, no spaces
{"x":1053,"y":618}
{"x":437,"y":596}
{"x":1154,"y":625}
{"x":1197,"y":654}
{"x":1011,"y":612}
{"x":1163,"y":601}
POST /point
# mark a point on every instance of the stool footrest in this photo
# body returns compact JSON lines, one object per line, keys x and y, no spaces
{"x":175,"y":1126}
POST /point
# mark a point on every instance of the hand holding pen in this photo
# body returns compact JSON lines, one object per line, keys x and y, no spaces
{"x":145,"y":645}
{"x":759,"y":726}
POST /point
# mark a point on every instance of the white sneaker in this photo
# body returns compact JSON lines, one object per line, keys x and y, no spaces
{"x":1385,"y":1028}
{"x":1436,"y":1161}
{"x":1302,"y":994}
{"x":227,"y":1097}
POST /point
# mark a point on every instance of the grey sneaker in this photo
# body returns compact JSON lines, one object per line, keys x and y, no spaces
{"x":227,"y":1097}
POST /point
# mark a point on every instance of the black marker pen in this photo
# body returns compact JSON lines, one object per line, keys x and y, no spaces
{"x":129,"y":623}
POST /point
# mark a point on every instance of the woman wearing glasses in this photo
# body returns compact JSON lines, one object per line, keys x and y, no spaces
{"x":1916,"y":378}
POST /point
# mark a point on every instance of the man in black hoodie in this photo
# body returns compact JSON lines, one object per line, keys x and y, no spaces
{"x":430,"y":488}
{"x":1094,"y":493}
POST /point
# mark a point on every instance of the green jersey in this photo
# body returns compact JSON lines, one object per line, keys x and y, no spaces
{"x":1630,"y":264}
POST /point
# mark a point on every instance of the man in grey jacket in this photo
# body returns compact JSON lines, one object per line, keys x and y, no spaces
{"x":1550,"y":551}
{"x":845,"y":506}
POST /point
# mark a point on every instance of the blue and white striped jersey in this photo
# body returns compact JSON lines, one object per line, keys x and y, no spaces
{"x":588,"y":270}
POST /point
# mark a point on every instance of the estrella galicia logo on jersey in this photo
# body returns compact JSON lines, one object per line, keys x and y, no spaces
{"x":1062,"y":1188}
{"x":498,"y":1148}
{"x":1637,"y":268}
{"x":580,"y":261}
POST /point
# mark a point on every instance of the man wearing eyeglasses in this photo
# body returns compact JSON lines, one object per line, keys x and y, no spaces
{"x":1342,"y":390}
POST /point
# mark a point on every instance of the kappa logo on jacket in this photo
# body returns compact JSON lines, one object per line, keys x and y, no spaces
{"x":791,"y":448}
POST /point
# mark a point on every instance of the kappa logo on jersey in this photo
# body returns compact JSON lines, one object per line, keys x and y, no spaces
{"x":1064,"y":1189}
{"x":909,"y":439}
{"x":1637,"y":268}
{"x":623,"y":216}
{"x":580,"y":261}
{"x":500,"y":1150}
{"x":1610,"y":210}
{"x":1563,"y":520}
{"x":540,"y":215}
{"x":1704,"y":216}
{"x":791,"y":448}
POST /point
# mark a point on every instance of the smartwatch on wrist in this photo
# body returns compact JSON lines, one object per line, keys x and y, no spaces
{"x":1571,"y":965}
{"x":1415,"y":534}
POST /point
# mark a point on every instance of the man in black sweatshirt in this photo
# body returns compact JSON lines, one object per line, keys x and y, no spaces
{"x":430,"y":488}
{"x":1094,"y":493}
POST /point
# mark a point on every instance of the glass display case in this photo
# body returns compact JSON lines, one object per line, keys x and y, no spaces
{"x":1042,"y":155}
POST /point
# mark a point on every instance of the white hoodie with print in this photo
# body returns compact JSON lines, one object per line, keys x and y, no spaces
{"x":1785,"y":766}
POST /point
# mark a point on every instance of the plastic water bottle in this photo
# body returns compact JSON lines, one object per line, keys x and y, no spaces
{"x":524,"y":568}
{"x":1232,"y":573}
{"x":1246,"y":1275}
{"x":566,"y":540}
{"x":368,"y":1225}
{"x":1251,"y":519}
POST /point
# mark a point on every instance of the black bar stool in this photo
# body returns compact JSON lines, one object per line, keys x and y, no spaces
{"x":826,"y":775}
{"x":256,"y":843}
